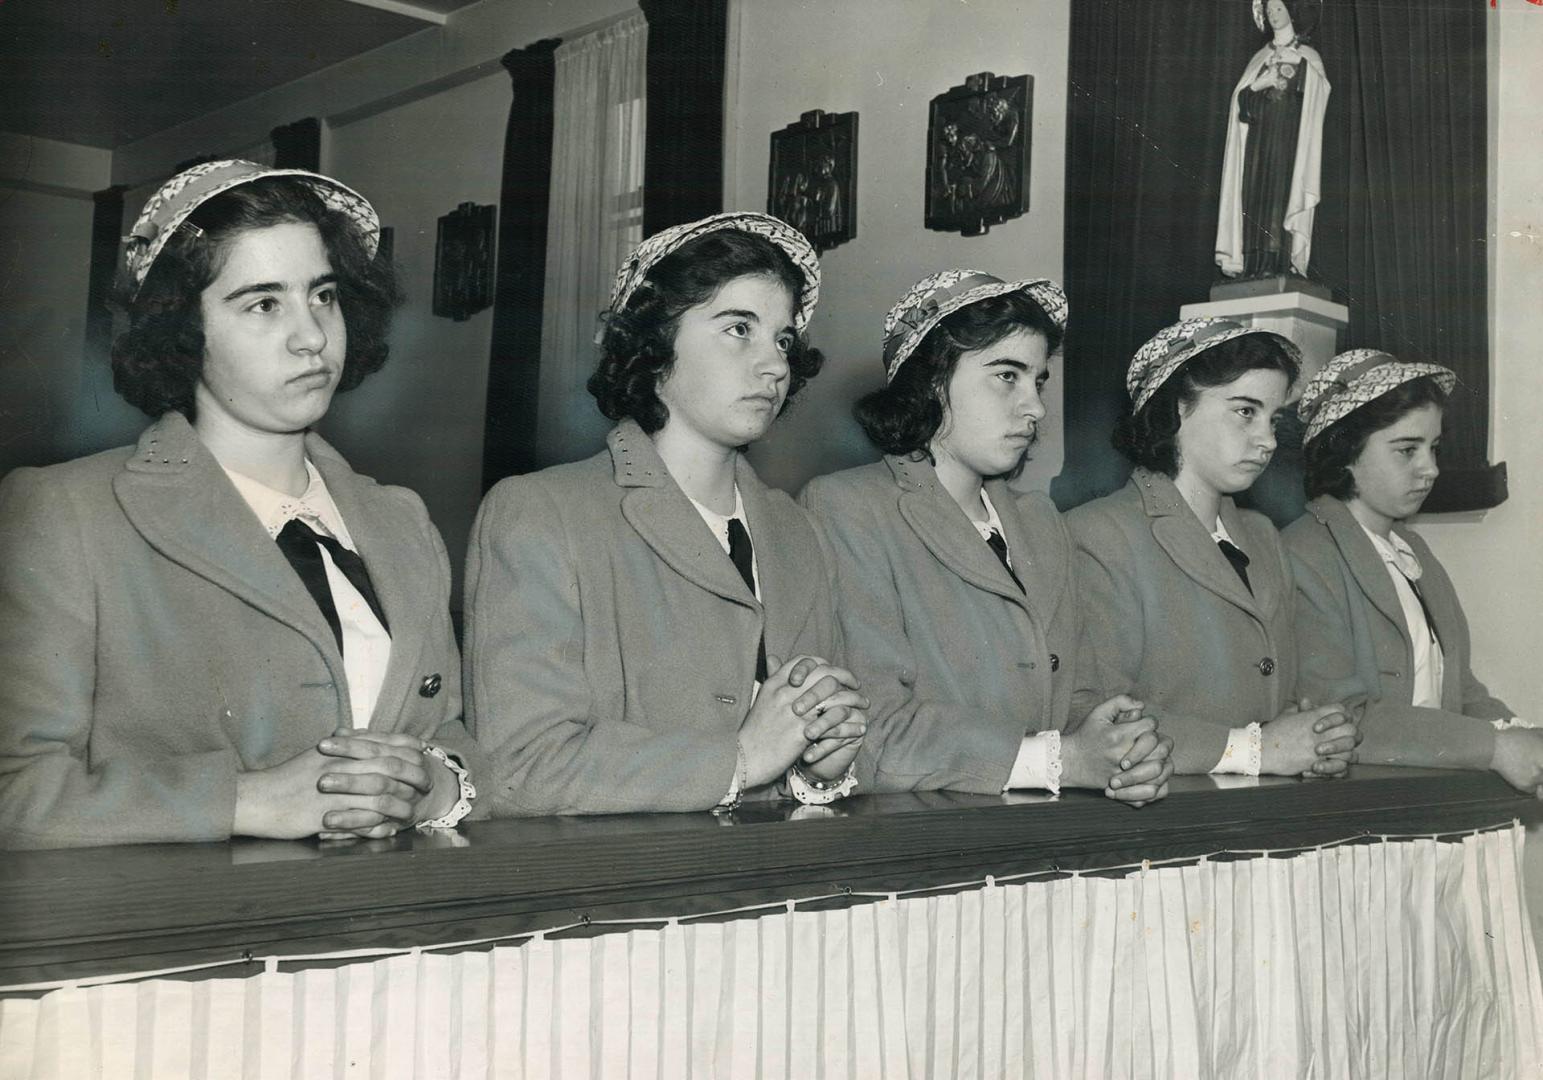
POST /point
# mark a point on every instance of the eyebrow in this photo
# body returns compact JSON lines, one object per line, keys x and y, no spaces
{"x":329,"y":278}
{"x":737,"y":313}
{"x":1256,"y":403}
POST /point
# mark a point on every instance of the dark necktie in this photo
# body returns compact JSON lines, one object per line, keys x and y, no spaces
{"x":302,"y":546}
{"x":995,"y":542}
{"x":1430,"y":623}
{"x":1238,"y":560}
{"x":743,"y":555}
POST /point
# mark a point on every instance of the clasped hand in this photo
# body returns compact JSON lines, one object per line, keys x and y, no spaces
{"x":808,"y":712}
{"x":1119,"y":749}
{"x":353,"y":784}
{"x":1309,"y":741}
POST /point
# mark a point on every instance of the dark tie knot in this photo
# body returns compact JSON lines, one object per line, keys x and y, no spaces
{"x":1238,"y":560}
{"x":302,"y":546}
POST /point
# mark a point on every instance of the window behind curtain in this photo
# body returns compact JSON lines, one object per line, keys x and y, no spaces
{"x":595,"y":219}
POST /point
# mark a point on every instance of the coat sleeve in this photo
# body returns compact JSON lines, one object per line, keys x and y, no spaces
{"x":529,"y":696}
{"x":1477,"y":701}
{"x":1114,"y":640}
{"x":51,"y":794}
{"x":1334,"y":663}
{"x":912,"y":744}
{"x":451,"y":733}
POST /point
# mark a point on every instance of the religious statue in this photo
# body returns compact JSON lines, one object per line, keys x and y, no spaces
{"x":1274,"y":150}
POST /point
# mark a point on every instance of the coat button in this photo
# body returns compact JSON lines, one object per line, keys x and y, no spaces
{"x":431,"y":685}
{"x":1055,"y":663}
{"x":1267,"y":666}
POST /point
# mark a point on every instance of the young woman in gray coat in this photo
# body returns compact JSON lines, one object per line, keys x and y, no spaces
{"x":1379,"y":625}
{"x":649,"y":629}
{"x":1189,"y":602}
{"x":956,"y":595}
{"x":224,"y":629}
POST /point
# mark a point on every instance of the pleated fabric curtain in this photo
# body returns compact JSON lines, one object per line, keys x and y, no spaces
{"x":1404,"y":216}
{"x":509,"y":428}
{"x":1374,"y":960}
{"x":594,"y":219}
{"x":298,"y":145}
{"x":687,"y":62}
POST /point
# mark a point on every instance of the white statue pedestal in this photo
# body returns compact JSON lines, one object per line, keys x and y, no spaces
{"x":1311,"y":321}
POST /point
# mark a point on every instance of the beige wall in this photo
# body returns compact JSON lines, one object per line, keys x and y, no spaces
{"x":418,"y":421}
{"x":45,"y":245}
{"x":887,"y":61}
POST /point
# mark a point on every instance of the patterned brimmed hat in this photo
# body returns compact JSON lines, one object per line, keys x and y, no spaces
{"x":1357,"y":378}
{"x":939,"y":295}
{"x":779,"y":232}
{"x":1174,"y":346}
{"x":174,"y":200}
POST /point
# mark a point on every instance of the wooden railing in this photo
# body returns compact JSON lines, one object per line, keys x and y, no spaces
{"x":104,"y":911}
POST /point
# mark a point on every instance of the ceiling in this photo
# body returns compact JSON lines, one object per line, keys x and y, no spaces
{"x":107,"y":72}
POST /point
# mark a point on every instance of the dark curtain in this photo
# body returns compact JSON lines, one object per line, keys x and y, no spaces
{"x":298,"y":145}
{"x":1399,"y":235}
{"x":1402,"y":231}
{"x":683,"y":149}
{"x":106,"y":225}
{"x":514,"y":364}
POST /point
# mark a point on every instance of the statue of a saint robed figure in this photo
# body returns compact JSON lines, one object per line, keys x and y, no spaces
{"x":1274,"y":150}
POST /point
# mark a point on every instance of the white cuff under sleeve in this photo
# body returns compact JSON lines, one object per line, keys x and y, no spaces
{"x":1514,"y":722}
{"x":1038,"y":764}
{"x":1244,"y":753}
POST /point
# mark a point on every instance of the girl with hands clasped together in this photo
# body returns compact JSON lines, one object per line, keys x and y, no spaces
{"x":956,"y":596}
{"x":1379,"y":625}
{"x":224,"y":629}
{"x":650,"y":629}
{"x":1189,"y":600}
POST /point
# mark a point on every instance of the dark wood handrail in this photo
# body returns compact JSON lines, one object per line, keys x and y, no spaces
{"x":110,"y":910}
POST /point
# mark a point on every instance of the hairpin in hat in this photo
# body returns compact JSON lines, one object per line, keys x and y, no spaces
{"x":637,"y":265}
{"x":1359,"y":377}
{"x":1174,"y":346}
{"x":939,"y":295}
{"x":168,"y":209}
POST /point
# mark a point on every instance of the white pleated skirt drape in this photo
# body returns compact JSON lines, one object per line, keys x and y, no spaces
{"x":1409,"y":958}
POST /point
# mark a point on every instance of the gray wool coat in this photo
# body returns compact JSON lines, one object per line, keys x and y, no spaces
{"x":611,"y":644}
{"x":1168,"y":621}
{"x":959,"y":664}
{"x":1354,"y":645}
{"x":154,"y":641}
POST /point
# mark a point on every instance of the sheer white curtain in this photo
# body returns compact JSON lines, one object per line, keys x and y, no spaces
{"x":596,"y":217}
{"x":1361,"y":961}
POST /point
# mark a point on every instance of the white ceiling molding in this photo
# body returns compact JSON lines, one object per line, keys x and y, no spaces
{"x":401,"y":7}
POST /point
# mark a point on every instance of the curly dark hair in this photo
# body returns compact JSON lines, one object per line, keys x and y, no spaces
{"x":158,"y":360}
{"x":1150,"y":436}
{"x":1328,"y":457}
{"x":902,"y":417}
{"x":637,"y":347}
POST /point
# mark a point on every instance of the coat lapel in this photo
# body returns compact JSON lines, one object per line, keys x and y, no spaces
{"x":1366,"y":566}
{"x":786,"y":556}
{"x":179,"y":499}
{"x":404,"y":584}
{"x":939,"y":523}
{"x":1188,"y":543}
{"x":664,"y":517}
{"x":1042,"y":563}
